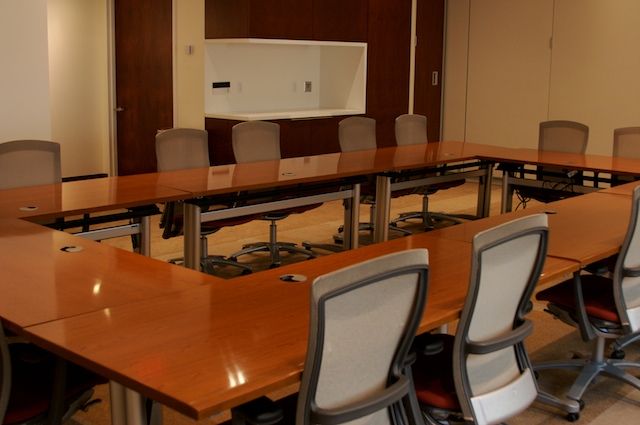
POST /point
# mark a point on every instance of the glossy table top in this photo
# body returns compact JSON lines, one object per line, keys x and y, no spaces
{"x":85,"y":196}
{"x":586,"y":162}
{"x":42,"y":281}
{"x":210,"y":348}
{"x":584,"y":228}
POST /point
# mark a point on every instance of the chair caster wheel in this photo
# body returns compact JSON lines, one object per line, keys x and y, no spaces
{"x":572,"y":417}
{"x":581,"y":404}
{"x":617,"y":354}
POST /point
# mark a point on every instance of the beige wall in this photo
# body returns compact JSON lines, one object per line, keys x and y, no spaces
{"x":515,"y":80}
{"x":596,"y":67}
{"x":189,"y":68}
{"x":79,"y":87}
{"x":24,"y":74}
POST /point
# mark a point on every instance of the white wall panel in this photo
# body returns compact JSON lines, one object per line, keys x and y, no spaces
{"x":595,"y":75}
{"x":24,"y":74}
{"x":509,"y":63}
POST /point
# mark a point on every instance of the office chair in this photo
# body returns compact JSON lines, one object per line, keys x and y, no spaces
{"x":362,"y":321}
{"x":557,"y":183}
{"x":184,"y":148}
{"x":38,"y":387}
{"x":411,"y":129}
{"x":483,"y":374}
{"x":603,"y":308}
{"x":260,"y":141}
{"x":626,"y":144}
{"x":357,"y":134}
{"x":29,"y":163}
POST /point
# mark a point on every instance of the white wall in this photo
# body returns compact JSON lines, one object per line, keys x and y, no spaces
{"x":24,"y":74}
{"x":79,"y":89}
{"x":515,"y":80}
{"x":596,"y":67}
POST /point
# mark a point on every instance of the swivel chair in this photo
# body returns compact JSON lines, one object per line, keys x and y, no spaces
{"x":556,"y":183}
{"x":411,"y":129}
{"x":357,"y":134}
{"x":183,"y":148}
{"x":260,"y":141}
{"x":362,"y":321}
{"x":29,"y":163}
{"x":483,"y":374}
{"x":626,"y":144}
{"x":603,"y":308}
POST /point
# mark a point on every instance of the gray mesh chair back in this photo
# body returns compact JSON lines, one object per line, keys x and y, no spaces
{"x":626,"y":142}
{"x":563,"y":136}
{"x":411,"y":129}
{"x":492,"y":373}
{"x":363,"y":319}
{"x":181,"y":148}
{"x":626,"y":277}
{"x":29,"y":163}
{"x":357,"y":134}
{"x":255,"y":141}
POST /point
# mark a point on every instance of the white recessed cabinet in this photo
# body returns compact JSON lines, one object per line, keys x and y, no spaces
{"x":265,"y":79}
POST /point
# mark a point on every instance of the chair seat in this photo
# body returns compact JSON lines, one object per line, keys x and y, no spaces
{"x":597,"y":292}
{"x":433,"y":378}
{"x":33,"y":379}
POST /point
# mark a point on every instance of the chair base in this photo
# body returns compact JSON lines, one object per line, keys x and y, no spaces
{"x":590,"y":368}
{"x":273,"y":246}
{"x":208,"y":262}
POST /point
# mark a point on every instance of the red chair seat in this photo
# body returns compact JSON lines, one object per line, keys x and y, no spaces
{"x":433,"y":378}
{"x":597,"y":292}
{"x":32,"y":382}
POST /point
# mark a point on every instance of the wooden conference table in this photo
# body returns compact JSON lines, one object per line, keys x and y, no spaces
{"x":159,"y":344}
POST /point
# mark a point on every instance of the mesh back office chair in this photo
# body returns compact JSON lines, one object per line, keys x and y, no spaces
{"x":558,"y":136}
{"x":363,"y":319}
{"x":604,"y":307}
{"x":357,"y":134}
{"x":179,"y":149}
{"x":29,"y":163}
{"x":260,"y":141}
{"x":626,"y":144}
{"x":31,"y":390}
{"x":411,"y":129}
{"x":484,"y":371}
{"x":28,"y":373}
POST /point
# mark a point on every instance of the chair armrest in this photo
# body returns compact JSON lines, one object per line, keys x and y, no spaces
{"x":498,"y":343}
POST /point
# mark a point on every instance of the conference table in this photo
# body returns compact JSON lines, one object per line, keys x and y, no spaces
{"x":201,"y":344}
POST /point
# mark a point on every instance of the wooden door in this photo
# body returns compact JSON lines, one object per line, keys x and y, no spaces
{"x":428,"y":75}
{"x":144,"y":82}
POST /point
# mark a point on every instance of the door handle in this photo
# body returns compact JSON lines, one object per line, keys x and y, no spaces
{"x":434,"y":78}
{"x":119,"y":109}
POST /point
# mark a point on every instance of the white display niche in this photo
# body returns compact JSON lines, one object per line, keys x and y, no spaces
{"x":266,"y":79}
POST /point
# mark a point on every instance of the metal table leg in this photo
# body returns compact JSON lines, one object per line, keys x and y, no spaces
{"x":351,"y":218}
{"x":383,"y":206}
{"x":507,"y":193}
{"x":118,"y":404}
{"x":192,"y":236}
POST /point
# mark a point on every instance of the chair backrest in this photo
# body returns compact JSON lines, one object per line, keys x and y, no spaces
{"x":626,"y":142}
{"x":363,"y":319}
{"x":29,"y":163}
{"x":357,"y":134}
{"x":492,"y":372}
{"x":563,"y":136}
{"x":182,"y":148}
{"x":411,"y":129}
{"x":626,"y":276}
{"x":255,"y":141}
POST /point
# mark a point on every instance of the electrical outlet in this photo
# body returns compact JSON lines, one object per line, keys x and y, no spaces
{"x":307,"y":86}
